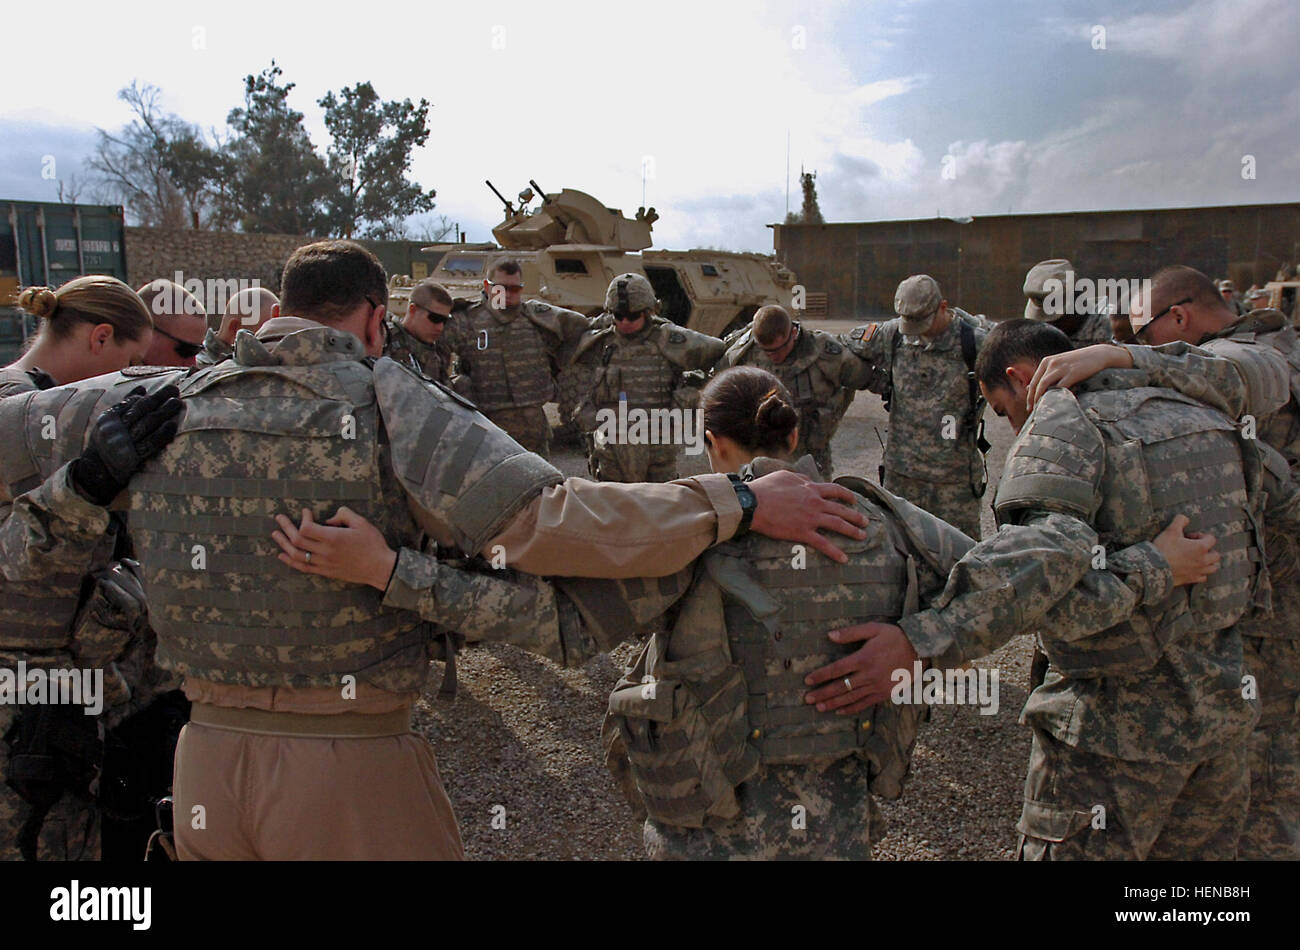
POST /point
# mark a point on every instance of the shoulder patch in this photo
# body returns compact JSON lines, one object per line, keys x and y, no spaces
{"x":833,"y":348}
{"x":676,"y":337}
{"x":864,"y":332}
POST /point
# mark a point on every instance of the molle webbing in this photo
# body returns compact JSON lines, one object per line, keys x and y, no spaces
{"x":514,"y":367}
{"x":256,"y":442}
{"x":777,"y":619}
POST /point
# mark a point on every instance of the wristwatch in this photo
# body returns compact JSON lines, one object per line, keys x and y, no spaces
{"x":748,"y":503}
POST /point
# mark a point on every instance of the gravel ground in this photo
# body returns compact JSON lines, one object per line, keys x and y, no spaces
{"x":519,"y":749}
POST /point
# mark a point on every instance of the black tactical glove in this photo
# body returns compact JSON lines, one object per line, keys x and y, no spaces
{"x":124,"y":438}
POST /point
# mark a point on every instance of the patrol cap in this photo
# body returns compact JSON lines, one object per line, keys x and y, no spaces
{"x":1057,"y":269}
{"x":1257,"y":293}
{"x":916,"y":302}
{"x":1226,"y":285}
{"x":629,"y":293}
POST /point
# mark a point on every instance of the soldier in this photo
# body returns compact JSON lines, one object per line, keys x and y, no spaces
{"x":1257,"y":299}
{"x":1185,"y":308}
{"x":506,"y":350}
{"x":1228,"y":291}
{"x":1144,"y":723}
{"x":246,"y":310}
{"x":301,"y":677}
{"x":179,"y":323}
{"x":817,"y":368}
{"x":1047,"y":302}
{"x":90,"y":325}
{"x":924,"y":368}
{"x":636,"y":364}
{"x":416,"y":339}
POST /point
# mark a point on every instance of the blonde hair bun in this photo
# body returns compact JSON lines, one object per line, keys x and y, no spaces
{"x":39,"y":302}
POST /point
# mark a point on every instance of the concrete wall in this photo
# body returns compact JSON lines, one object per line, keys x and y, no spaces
{"x":981,"y":265}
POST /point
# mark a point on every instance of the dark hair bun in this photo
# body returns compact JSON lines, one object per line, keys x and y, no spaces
{"x":774,"y":417}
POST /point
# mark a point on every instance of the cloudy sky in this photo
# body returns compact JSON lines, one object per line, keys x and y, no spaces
{"x":904,"y":108}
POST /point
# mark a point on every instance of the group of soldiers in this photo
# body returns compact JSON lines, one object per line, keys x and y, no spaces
{"x":263,"y":527}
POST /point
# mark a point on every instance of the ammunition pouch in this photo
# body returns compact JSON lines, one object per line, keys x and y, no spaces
{"x":682,"y":725}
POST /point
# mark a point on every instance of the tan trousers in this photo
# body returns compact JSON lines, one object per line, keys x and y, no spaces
{"x":245,"y":797}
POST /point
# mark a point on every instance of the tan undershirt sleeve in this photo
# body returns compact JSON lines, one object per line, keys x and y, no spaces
{"x":602,"y":529}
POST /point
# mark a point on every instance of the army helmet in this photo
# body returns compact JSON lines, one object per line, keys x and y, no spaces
{"x":630,"y":294}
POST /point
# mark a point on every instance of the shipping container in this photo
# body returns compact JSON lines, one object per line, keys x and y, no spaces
{"x":48,"y":244}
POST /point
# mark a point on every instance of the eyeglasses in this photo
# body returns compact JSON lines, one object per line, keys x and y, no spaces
{"x":508,"y":288}
{"x":627,"y":317}
{"x":1145,"y":326}
{"x":184,"y":348}
{"x":434,"y":317}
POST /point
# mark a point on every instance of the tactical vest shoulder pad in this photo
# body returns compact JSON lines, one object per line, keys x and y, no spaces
{"x":545,"y":317}
{"x":461,"y":304}
{"x":677,"y":344}
{"x":1263,"y":368}
{"x":738,"y":347}
{"x":591,"y":339}
{"x":939,"y":543}
{"x":456,"y":465}
{"x":48,"y":428}
{"x":1055,"y":464}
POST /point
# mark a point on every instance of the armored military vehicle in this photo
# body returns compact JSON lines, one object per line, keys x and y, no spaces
{"x":571,"y":246}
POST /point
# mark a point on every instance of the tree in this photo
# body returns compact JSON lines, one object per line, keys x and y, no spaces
{"x":369,"y":157}
{"x":199,"y":172}
{"x":810,"y":213}
{"x":132,"y":165}
{"x":438,"y":229}
{"x":281,"y":184}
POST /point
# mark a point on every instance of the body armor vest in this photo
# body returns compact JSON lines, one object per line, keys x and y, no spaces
{"x":257,"y":440}
{"x":1165,"y":455}
{"x":36,"y":617}
{"x":635,"y":368}
{"x":702,"y":713}
{"x":509,"y":363}
{"x":1272,"y":329}
{"x":406,"y":348}
{"x":927,"y":385}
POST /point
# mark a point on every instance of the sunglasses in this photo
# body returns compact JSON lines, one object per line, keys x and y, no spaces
{"x":1179,"y":303}
{"x":626,"y":317}
{"x":184,"y":348}
{"x":508,"y":288}
{"x":434,"y":317}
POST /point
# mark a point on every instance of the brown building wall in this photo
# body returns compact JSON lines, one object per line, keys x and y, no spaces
{"x":981,"y":265}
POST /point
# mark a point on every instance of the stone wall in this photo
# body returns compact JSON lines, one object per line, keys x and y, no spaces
{"x":208,"y":255}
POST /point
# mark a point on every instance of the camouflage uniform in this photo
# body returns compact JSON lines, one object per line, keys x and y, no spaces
{"x":300,"y":419}
{"x":758,"y":773}
{"x":506,"y":362}
{"x":1272,"y":645}
{"x":404,"y":346}
{"x":44,"y":560}
{"x":822,"y":375}
{"x":930,"y":398}
{"x":214,"y":349}
{"x":645,"y":371}
{"x":1147,"y":717}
